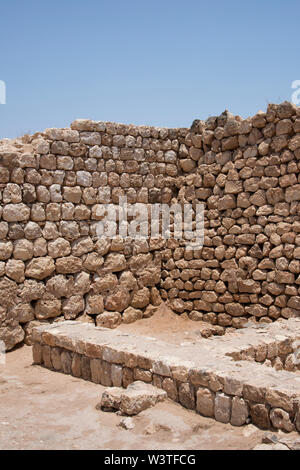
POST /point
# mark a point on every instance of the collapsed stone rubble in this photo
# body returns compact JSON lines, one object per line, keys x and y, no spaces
{"x":137,"y":397}
{"x":279,"y":441}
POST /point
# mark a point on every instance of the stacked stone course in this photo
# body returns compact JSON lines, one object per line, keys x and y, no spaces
{"x":245,"y":172}
{"x":52,"y":264}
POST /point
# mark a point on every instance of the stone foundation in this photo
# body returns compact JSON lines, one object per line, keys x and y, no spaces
{"x":229,"y":378}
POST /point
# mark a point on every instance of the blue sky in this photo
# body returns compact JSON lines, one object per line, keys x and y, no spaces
{"x":157,"y":62}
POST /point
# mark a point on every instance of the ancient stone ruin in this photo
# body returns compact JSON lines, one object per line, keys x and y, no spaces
{"x":54,"y":267}
{"x":65,"y":290}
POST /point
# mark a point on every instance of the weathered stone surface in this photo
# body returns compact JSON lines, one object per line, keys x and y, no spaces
{"x":81,"y":283}
{"x":280,"y":420}
{"x":260,"y":415}
{"x":118,"y":300}
{"x":58,"y":248}
{"x":116,"y":375}
{"x":141,"y":298}
{"x":96,"y":370}
{"x":76,"y":365}
{"x":121,"y":359}
{"x":168,"y":385}
{"x":23,"y":250}
{"x":66,"y":362}
{"x":115,"y":262}
{"x":46,"y":356}
{"x":127,"y":423}
{"x":239,"y":412}
{"x":278,"y":399}
{"x":16,"y":212}
{"x":60,"y":286}
{"x":205,"y":402}
{"x":249,"y":286}
{"x":68,"y":264}
{"x":86,"y":368}
{"x":37,"y":353}
{"x":140,"y":396}
{"x":56,"y":358}
{"x":6,"y":249}
{"x":11,"y":335}
{"x":149,"y":311}
{"x":111,"y":399}
{"x":24,"y":312}
{"x":186,"y":396}
{"x":40,"y":268}
{"x":15,"y":269}
{"x":187,"y":165}
{"x":104,"y":283}
{"x":72,"y":306}
{"x":93,"y":262}
{"x":127,"y":280}
{"x":222,"y":408}
{"x":29,"y":330}
{"x":48,"y":307}
{"x":95,"y":304}
{"x":31,"y":290}
{"x":131,"y":315}
{"x":109,"y":319}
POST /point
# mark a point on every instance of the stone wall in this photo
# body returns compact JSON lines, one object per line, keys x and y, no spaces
{"x":246,"y":172}
{"x":53,"y":266}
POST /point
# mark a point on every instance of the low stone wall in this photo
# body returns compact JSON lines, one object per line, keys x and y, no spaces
{"x":210,"y":376}
{"x":53,"y":267}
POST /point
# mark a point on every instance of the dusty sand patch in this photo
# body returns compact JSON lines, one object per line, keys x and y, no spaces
{"x":169,"y":327}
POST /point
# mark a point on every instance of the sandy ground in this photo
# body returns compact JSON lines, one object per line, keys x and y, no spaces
{"x":42,"y":409}
{"x":167,"y":326}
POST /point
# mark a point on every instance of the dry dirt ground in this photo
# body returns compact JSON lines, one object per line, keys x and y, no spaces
{"x":42,"y":409}
{"x":168,"y":326}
